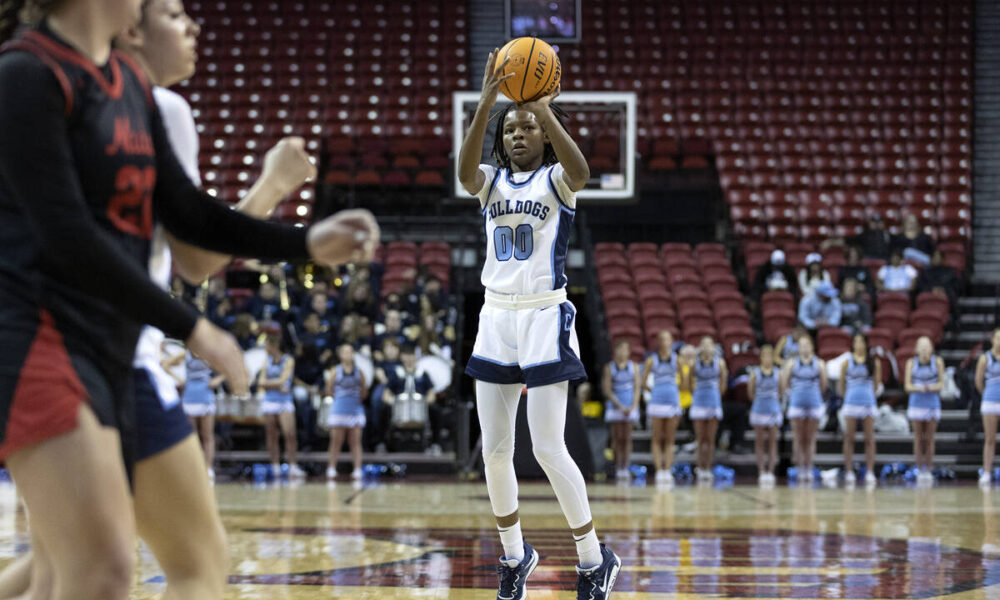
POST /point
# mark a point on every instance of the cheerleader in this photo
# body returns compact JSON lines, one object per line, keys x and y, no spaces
{"x":664,"y":408}
{"x":923,"y":383}
{"x":805,"y":378}
{"x":859,"y":379}
{"x":278,"y":408}
{"x":348,"y":387}
{"x":709,"y":383}
{"x":621,"y":388}
{"x":198,"y":401}
{"x":765,"y":413}
{"x":988,"y":384}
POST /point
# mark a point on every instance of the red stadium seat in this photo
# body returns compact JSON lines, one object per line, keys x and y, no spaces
{"x":907,"y":338}
{"x":932,"y":300}
{"x":893,"y":301}
{"x":832,"y":342}
{"x":891,"y":320}
{"x":881,"y":338}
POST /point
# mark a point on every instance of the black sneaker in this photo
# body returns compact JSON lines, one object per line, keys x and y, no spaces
{"x":595,"y":583}
{"x":513,"y":579}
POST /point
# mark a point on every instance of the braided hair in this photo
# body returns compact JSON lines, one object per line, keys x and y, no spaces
{"x":500,"y":152}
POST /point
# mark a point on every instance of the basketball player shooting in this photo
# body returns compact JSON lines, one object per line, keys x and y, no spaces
{"x":526,"y":327}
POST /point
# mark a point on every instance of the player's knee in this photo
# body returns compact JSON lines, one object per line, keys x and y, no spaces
{"x":498,"y":454}
{"x":548,"y":452}
{"x":106,"y":576}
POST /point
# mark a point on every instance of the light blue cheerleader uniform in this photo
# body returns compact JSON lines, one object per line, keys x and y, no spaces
{"x":924,"y":406}
{"x":198,"y":398}
{"x":766,"y":408}
{"x":277,"y":401}
{"x":859,"y":394}
{"x":805,"y":397}
{"x":347,"y":409}
{"x":706,"y":400}
{"x":991,"y":393}
{"x":665,"y":401}
{"x":623,"y":387}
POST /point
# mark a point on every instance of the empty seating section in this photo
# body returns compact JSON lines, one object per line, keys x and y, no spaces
{"x":649,"y":289}
{"x":818,"y":112}
{"x":371,"y":81}
{"x":403,"y":260}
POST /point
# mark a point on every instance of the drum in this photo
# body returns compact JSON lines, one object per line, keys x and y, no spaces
{"x":438,"y":369}
{"x":409,"y":409}
{"x":250,"y":406}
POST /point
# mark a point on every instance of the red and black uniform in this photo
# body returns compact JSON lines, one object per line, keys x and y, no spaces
{"x":85,"y":170}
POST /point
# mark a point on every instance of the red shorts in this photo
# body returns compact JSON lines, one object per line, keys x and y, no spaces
{"x":43,"y":384}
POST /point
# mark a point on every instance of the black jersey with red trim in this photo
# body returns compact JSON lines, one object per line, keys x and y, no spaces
{"x":86,"y":168}
{"x":108,"y":122}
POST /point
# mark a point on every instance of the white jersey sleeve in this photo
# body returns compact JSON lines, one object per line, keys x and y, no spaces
{"x":567,"y":195}
{"x":490,"y":172}
{"x":179,"y":123}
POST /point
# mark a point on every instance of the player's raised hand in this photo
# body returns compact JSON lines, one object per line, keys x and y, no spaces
{"x":348,"y":236}
{"x":492,"y":78}
{"x":220,"y":350}
{"x":287,"y":165}
{"x":540,"y":104}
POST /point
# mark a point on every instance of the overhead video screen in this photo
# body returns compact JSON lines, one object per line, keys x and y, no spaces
{"x":552,"y":20}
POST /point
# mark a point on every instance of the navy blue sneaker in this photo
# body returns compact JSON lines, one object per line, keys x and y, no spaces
{"x":595,"y":583}
{"x":513,"y":579}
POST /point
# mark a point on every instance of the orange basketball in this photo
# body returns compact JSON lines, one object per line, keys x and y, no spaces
{"x":536,"y":69}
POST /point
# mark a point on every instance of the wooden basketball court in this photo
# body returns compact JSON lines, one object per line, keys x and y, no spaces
{"x":437,"y":540}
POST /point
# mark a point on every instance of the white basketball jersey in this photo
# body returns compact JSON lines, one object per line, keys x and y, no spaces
{"x":527,"y":217}
{"x":179,"y":123}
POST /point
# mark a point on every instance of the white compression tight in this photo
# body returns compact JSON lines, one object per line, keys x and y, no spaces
{"x":497,"y":407}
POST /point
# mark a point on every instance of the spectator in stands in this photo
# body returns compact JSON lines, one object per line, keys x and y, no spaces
{"x":354,"y":330}
{"x":433,"y":339}
{"x":855,"y":314}
{"x":360,"y":300}
{"x":312,"y":353}
{"x":223,"y":314}
{"x":813,"y":275}
{"x":896,"y":276}
{"x":940,"y":279}
{"x":380,"y":411}
{"x":874,"y":240}
{"x":774,"y":275}
{"x":913,"y":243}
{"x":266,"y":303}
{"x":390,"y":329}
{"x":820,"y":309}
{"x":853,"y":269}
{"x":408,"y":380}
{"x":433,"y":298}
{"x":216,"y":294}
{"x":320,"y":305}
{"x":246,"y":331}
